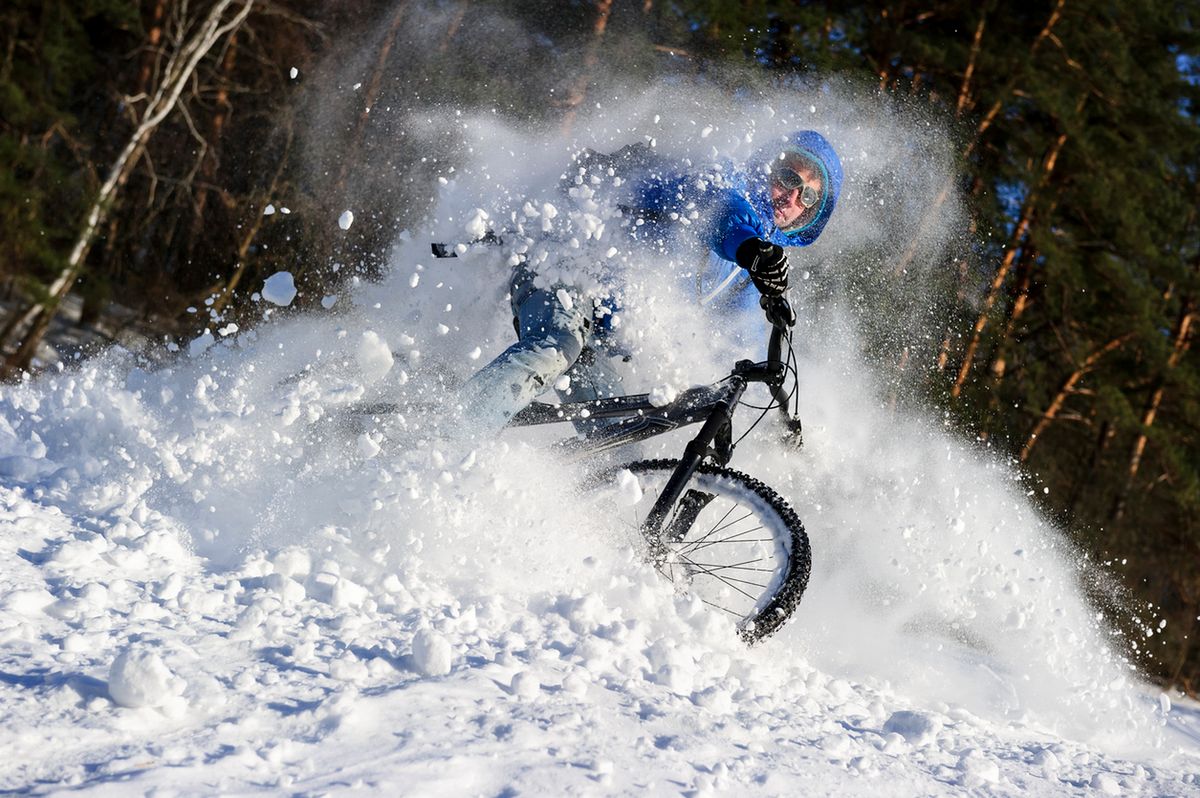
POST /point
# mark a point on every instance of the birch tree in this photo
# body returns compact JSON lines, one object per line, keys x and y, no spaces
{"x":196,"y":38}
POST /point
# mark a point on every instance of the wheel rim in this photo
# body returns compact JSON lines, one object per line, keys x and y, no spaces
{"x":731,"y":556}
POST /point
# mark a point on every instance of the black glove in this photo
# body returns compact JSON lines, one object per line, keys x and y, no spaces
{"x":767,"y":264}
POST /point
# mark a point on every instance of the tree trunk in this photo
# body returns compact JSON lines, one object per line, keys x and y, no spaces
{"x":963,"y":106}
{"x":176,"y":75}
{"x":154,"y":34}
{"x":964,"y":91}
{"x":455,"y":23}
{"x":255,"y":224}
{"x":579,"y":91}
{"x":374,"y":86}
{"x":1024,"y":272}
{"x":1067,"y":387}
{"x":212,"y":158}
{"x":1180,"y":341}
{"x":1014,"y":246}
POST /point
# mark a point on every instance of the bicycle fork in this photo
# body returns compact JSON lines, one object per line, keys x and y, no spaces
{"x":718,"y":429}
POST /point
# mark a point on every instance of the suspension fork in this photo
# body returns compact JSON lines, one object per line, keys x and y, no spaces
{"x":716,"y":428}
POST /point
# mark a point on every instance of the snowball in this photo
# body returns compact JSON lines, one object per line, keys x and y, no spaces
{"x":374,"y":356}
{"x":977,"y":770}
{"x":431,"y":653}
{"x":345,"y":220}
{"x":525,"y":685}
{"x":279,"y":289}
{"x":915,"y":727}
{"x":138,"y":678}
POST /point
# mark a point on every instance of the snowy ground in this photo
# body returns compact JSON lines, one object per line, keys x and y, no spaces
{"x":210,"y":583}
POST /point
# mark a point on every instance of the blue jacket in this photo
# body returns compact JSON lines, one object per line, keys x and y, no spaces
{"x":742,"y":209}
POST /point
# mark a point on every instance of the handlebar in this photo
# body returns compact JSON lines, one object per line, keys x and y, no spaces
{"x":782,"y":318}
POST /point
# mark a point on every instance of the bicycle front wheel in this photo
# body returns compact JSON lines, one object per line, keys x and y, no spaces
{"x":729,"y":540}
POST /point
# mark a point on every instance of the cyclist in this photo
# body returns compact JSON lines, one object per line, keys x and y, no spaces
{"x":746,"y":218}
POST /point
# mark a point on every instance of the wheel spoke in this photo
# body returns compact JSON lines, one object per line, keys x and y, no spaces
{"x":731,"y":523}
{"x":715,"y":529}
{"x":724,"y":609}
{"x":713,"y":573}
{"x":720,"y":578}
{"x":718,"y":567}
{"x":733,"y":540}
{"x":723,"y":540}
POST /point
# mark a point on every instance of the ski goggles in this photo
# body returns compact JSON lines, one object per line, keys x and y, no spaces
{"x":790,"y":180}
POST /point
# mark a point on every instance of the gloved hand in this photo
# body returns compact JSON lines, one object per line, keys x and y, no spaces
{"x":767,"y":264}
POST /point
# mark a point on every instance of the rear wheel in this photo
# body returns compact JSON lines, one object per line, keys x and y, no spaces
{"x":729,"y":540}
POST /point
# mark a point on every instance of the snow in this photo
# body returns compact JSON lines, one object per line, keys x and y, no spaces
{"x":374,"y":356}
{"x":138,"y":678}
{"x":217,"y":579}
{"x":346,"y":219}
{"x":431,"y":653}
{"x":279,"y":289}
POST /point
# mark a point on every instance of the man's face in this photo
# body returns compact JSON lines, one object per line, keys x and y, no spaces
{"x":785,"y":200}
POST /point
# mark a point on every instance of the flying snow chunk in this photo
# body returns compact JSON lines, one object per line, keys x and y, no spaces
{"x":368,"y":447}
{"x":564,"y":299}
{"x":294,"y":73}
{"x":431,"y":653}
{"x":629,"y":490}
{"x":329,"y":301}
{"x":269,"y":210}
{"x":346,"y":219}
{"x":374,"y":356}
{"x":138,"y":678}
{"x":477,"y":227}
{"x":662,"y":395}
{"x":200,"y":345}
{"x":279,"y":289}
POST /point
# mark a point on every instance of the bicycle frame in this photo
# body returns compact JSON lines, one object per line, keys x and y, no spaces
{"x":712,"y":406}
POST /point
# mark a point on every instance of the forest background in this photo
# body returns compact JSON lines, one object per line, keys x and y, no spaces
{"x":141,"y":143}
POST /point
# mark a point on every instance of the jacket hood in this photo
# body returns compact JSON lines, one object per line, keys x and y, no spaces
{"x":815,"y":147}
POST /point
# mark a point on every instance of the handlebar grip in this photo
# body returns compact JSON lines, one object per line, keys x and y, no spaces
{"x":778,"y":311}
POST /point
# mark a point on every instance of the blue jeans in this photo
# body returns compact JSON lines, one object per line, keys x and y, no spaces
{"x":555,"y":338}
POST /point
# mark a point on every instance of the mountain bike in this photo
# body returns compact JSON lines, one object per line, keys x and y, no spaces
{"x":716,"y":533}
